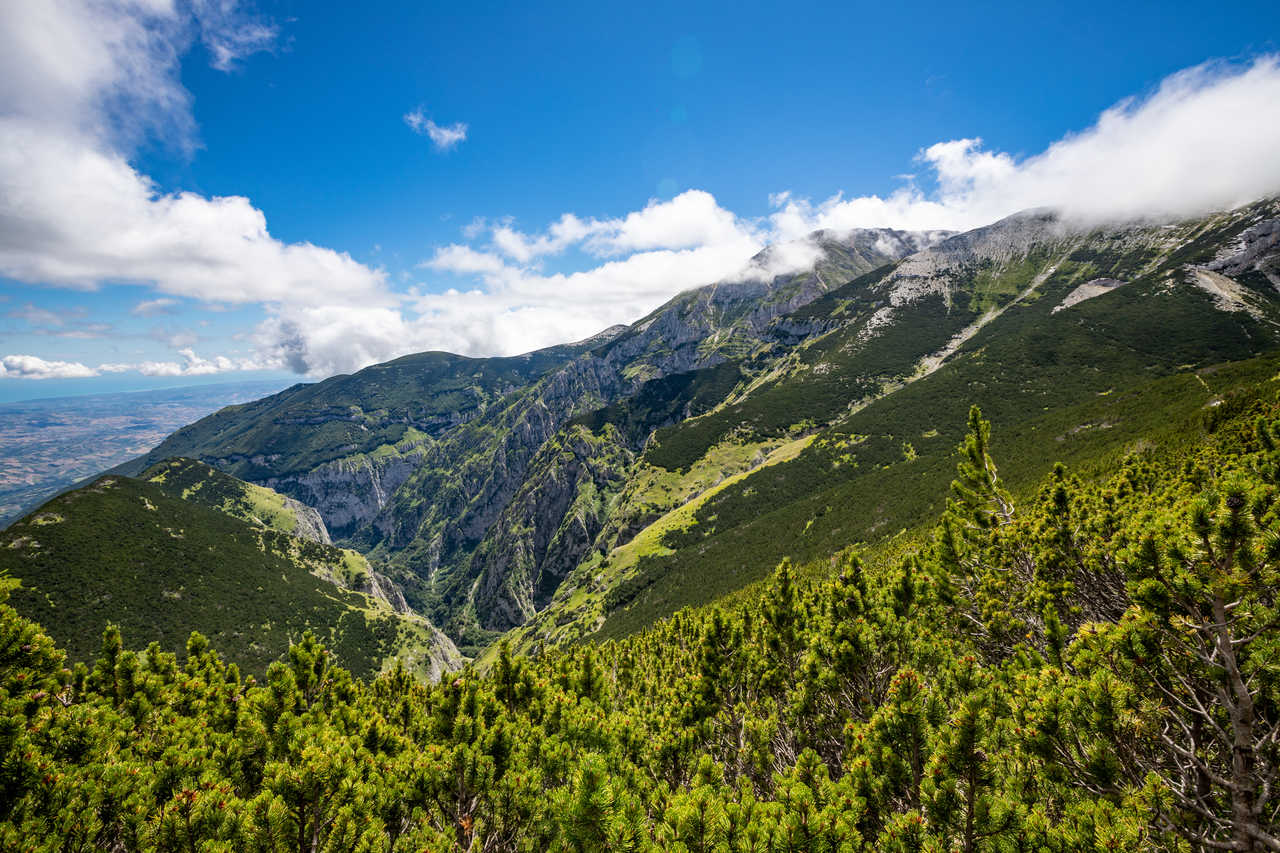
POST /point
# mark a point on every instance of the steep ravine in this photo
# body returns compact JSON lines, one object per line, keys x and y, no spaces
{"x":431,"y":527}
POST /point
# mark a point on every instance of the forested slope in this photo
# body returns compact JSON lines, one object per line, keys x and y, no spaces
{"x":197,"y":550}
{"x":1091,"y":667}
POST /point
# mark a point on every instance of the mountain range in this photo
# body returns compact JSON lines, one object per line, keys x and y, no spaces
{"x":589,"y":489}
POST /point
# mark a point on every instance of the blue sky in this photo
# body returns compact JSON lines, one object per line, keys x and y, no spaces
{"x":197,"y":189}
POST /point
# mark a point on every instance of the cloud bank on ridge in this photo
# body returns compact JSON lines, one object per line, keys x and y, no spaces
{"x":1204,"y":140}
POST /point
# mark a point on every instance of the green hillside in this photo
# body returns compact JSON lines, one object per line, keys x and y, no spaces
{"x":1087,"y":382}
{"x":132,"y":554}
{"x":308,"y":424}
{"x":197,"y":482}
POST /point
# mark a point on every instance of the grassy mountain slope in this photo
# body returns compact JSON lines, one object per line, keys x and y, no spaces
{"x":203,"y":484}
{"x":898,"y":356}
{"x":305,"y":425}
{"x":132,"y":553}
{"x":611,"y":482}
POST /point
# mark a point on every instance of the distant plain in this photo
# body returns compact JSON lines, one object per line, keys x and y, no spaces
{"x":47,"y":445}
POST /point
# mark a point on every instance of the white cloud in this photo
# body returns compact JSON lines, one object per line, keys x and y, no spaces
{"x":443,"y":137}
{"x":86,"y":80}
{"x":153,"y":307}
{"x":458,"y":258}
{"x":191,"y":365}
{"x":1204,"y":140}
{"x":564,"y":232}
{"x":324,"y":340}
{"x":446,"y":137}
{"x":33,"y":367}
{"x":102,"y":69}
{"x":230,"y":33}
{"x":82,"y":215}
{"x":109,"y":68}
{"x":691,"y":219}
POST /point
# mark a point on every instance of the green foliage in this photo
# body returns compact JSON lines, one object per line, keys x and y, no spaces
{"x":199,"y":483}
{"x":745,"y":528}
{"x":1091,"y":667}
{"x":130,"y":553}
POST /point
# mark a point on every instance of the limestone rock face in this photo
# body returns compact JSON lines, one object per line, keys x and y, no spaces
{"x":310,"y":523}
{"x":549,"y":525}
{"x":348,"y":493}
